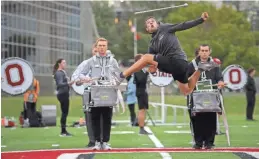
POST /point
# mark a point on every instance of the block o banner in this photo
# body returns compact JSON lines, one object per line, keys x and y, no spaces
{"x":16,"y":75}
{"x":235,"y":76}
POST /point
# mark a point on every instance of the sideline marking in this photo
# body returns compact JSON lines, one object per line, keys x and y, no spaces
{"x":255,"y":154}
{"x":119,"y":132}
{"x":178,"y":132}
{"x":157,"y":143}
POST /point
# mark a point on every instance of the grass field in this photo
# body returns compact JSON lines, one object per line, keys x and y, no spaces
{"x":242,"y":133}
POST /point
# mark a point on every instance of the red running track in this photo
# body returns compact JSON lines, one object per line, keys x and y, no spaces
{"x":54,"y":153}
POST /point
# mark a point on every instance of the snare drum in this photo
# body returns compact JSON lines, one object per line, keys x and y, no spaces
{"x":206,"y":101}
{"x":102,"y":94}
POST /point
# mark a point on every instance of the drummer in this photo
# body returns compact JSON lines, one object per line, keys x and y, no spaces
{"x":204,"y":124}
{"x":99,"y":66}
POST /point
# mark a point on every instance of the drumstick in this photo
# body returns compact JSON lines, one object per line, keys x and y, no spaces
{"x":213,"y":85}
{"x":92,"y":79}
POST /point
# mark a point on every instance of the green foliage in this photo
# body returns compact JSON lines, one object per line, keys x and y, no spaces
{"x":227,"y":32}
{"x":115,"y":33}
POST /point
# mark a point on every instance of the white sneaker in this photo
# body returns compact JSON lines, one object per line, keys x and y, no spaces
{"x":97,"y":146}
{"x":26,"y":123}
{"x":105,"y":146}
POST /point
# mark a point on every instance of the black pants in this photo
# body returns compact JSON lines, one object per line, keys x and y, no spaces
{"x":106,"y":114}
{"x":132,"y":113}
{"x":204,"y":128}
{"x":64,"y":104}
{"x":29,"y":108}
{"x":89,"y":126}
{"x":250,"y":98}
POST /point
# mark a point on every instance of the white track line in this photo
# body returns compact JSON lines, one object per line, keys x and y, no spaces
{"x":157,"y":143}
{"x":255,"y":154}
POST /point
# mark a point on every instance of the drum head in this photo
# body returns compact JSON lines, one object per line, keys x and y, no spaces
{"x":78,"y":89}
{"x":16,"y":75}
{"x":235,"y":77}
{"x":161,"y":79}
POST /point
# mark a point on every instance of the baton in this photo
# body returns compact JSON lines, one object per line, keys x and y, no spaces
{"x":152,"y":10}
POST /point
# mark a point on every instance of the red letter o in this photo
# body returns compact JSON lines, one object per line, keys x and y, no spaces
{"x":8,"y":76}
{"x":238,"y":76}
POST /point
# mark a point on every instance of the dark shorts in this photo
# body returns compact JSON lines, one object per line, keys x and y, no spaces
{"x":142,"y":100}
{"x":177,"y":67}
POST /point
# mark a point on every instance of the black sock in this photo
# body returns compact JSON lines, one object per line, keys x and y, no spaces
{"x":121,"y":75}
{"x":141,"y":128}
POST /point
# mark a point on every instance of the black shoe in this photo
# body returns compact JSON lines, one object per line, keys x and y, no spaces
{"x":90,"y":144}
{"x":220,"y":133}
{"x":208,"y":147}
{"x":197,"y":147}
{"x":144,"y":132}
{"x":134,"y":124}
{"x":65,"y":134}
{"x":250,"y":119}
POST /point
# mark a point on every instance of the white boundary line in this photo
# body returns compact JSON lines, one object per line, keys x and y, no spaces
{"x":255,"y":154}
{"x":157,"y":143}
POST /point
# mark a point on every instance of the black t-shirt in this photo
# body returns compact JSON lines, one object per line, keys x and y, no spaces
{"x":140,"y":79}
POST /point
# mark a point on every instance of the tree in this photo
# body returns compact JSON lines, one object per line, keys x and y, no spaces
{"x":227,"y":32}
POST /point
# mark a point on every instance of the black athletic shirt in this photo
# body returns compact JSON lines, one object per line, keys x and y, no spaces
{"x":140,"y":79}
{"x":61,"y":82}
{"x":165,"y":42}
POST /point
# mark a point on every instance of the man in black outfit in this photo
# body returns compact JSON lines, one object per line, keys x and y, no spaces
{"x":204,"y":124}
{"x":140,"y":79}
{"x":250,"y":94}
{"x":166,"y":54}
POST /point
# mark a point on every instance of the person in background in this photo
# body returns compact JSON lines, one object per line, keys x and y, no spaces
{"x":140,"y":79}
{"x":63,"y":86}
{"x":30,"y":99}
{"x":88,"y":116}
{"x":203,"y":124}
{"x":250,"y":94}
{"x":131,"y":99}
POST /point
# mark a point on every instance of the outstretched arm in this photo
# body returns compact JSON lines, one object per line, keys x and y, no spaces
{"x":189,"y":24}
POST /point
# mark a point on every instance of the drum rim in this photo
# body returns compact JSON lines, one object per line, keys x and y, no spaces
{"x":10,"y":58}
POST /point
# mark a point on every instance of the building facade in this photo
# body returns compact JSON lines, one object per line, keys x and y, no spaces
{"x":43,"y":31}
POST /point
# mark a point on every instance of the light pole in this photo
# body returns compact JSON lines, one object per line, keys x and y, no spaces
{"x":147,"y":11}
{"x":135,"y":37}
